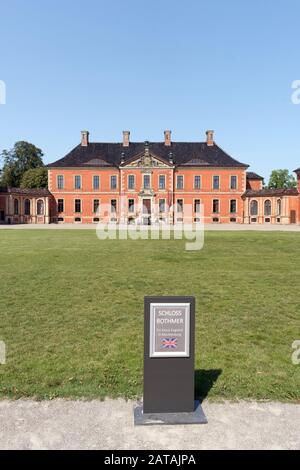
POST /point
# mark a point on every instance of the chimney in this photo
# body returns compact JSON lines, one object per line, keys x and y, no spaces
{"x":84,"y":138}
{"x":210,"y":138}
{"x":126,"y":138}
{"x":168,"y":138}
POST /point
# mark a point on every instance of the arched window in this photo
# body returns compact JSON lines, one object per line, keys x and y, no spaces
{"x":16,"y":207}
{"x":27,"y":207}
{"x":268,"y":208}
{"x":253,"y":208}
{"x":279,"y":207}
{"x":40,"y":207}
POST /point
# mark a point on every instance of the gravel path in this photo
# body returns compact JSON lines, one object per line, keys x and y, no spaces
{"x":61,"y":424}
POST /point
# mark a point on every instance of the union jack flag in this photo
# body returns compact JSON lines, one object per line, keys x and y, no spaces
{"x":169,"y":343}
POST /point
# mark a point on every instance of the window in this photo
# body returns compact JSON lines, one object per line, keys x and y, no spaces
{"x":253,"y":208}
{"x":232,"y":219}
{"x":197,"y":182}
{"x":162,"y":205}
{"x":233,"y":206}
{"x":197,"y":206}
{"x":77,"y":219}
{"x":60,"y":182}
{"x":146,"y":181}
{"x":179,"y":205}
{"x":77,"y":182}
{"x":131,"y":182}
{"x":216,"y":220}
{"x":179,"y":184}
{"x":216,"y":182}
{"x":233,"y":182}
{"x":113,"y":182}
{"x":131,"y":205}
{"x":113,"y":206}
{"x":27,"y":207}
{"x":96,"y":206}
{"x":162,"y":182}
{"x":77,"y":205}
{"x":60,"y":206}
{"x":216,"y":206}
{"x":268,"y":207}
{"x":96,"y":219}
{"x":40,"y":207}
{"x":279,"y":207}
{"x":16,"y":207}
{"x":96,"y":182}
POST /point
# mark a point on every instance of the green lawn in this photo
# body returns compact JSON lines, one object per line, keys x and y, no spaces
{"x":71,"y":312}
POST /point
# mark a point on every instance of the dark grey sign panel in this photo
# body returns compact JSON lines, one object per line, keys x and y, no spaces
{"x":169,"y":338}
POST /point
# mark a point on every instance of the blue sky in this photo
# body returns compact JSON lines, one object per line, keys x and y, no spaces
{"x":147,"y":66}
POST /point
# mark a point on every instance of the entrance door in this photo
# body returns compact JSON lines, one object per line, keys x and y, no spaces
{"x":2,"y":216}
{"x":146,"y":211}
{"x":293,"y":217}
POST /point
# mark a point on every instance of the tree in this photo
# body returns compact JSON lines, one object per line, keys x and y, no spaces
{"x":22,"y":157}
{"x":35,"y":178}
{"x":282,"y":179}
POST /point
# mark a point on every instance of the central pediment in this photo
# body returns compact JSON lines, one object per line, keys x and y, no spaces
{"x":146,"y":160}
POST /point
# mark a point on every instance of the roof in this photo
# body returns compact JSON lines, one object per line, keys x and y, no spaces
{"x":253,"y":176}
{"x":297,"y":171}
{"x":271,"y":192}
{"x":183,"y":154}
{"x":25,"y":191}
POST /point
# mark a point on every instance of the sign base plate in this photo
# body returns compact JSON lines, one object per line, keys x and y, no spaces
{"x":148,"y":419}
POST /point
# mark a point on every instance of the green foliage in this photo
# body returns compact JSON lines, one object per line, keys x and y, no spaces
{"x":71,"y":312}
{"x":280,"y":179}
{"x":35,"y":178}
{"x":16,"y":161}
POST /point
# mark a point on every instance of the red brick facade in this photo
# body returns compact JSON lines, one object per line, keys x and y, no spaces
{"x":147,"y":183}
{"x":160,"y":182}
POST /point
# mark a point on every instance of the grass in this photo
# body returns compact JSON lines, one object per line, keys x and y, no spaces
{"x":71,"y":312}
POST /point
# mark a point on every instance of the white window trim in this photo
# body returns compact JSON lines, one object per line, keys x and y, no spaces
{"x":63,"y":179}
{"x":96,"y":199}
{"x":61,"y":199}
{"x":197,"y":189}
{"x":165,"y":205}
{"x":131,"y":189}
{"x":180,"y":199}
{"x":257,"y":206}
{"x":76,"y":176}
{"x":180,"y":189}
{"x":216,"y":176}
{"x":196,"y":199}
{"x":164,"y":176}
{"x":110,"y":208}
{"x":264,"y":208}
{"x":98,"y":176}
{"x":74,"y":205}
{"x":110,"y":185}
{"x":219,"y":206}
{"x":237,"y":182}
{"x":236,"y":206}
{"x":150,"y":176}
{"x":36,"y":207}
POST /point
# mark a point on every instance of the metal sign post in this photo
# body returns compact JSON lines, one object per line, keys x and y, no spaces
{"x":169,"y":363}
